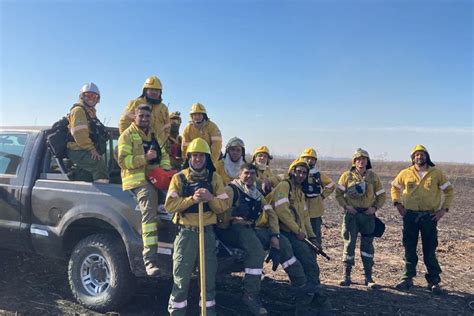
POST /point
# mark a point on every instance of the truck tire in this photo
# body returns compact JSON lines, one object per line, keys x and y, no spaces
{"x":99,"y":273}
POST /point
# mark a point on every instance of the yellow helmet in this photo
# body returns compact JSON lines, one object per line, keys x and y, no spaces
{"x":361,"y":153}
{"x":175,"y":116}
{"x":421,"y":148}
{"x":418,"y":148}
{"x":152,"y":82}
{"x":198,"y":108}
{"x":198,"y":145}
{"x":298,"y":162}
{"x":261,"y":149}
{"x":309,"y":152}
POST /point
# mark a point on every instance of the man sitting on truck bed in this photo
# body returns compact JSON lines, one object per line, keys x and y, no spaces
{"x":139,"y":153}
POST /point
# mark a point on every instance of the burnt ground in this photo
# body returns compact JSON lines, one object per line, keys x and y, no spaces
{"x":33,"y":285}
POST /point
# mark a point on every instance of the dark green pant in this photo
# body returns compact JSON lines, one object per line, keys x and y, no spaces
{"x":306,"y":256}
{"x":292,"y":266}
{"x":87,"y":169}
{"x":147,"y":198}
{"x":316,"y":223}
{"x":413,"y":224}
{"x":245,"y":238}
{"x":353,"y":224}
{"x":185,"y":257}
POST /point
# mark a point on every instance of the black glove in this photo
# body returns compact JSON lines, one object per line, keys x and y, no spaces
{"x":274,"y":256}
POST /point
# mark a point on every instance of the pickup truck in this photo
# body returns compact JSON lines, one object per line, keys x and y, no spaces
{"x":96,"y":227}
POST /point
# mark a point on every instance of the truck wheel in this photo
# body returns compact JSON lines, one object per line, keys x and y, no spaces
{"x":99,"y":273}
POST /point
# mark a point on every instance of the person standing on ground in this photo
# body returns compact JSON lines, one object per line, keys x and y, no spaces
{"x":416,"y":193}
{"x":360,"y":193}
{"x":319,"y":187}
{"x":198,"y":183}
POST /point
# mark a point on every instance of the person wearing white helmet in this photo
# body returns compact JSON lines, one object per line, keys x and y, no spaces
{"x":229,"y":166}
{"x":417,"y":194}
{"x":88,"y":138}
{"x":152,"y":95}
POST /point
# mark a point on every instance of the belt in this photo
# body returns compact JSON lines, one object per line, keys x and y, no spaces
{"x":420,"y":214}
{"x":195,"y":229}
{"x":361,"y":209}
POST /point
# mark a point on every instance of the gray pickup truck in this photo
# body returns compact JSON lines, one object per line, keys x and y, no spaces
{"x":96,"y":227}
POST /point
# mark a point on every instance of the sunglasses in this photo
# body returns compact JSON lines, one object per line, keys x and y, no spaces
{"x":91,"y":95}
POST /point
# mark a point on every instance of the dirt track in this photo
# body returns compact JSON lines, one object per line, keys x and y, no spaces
{"x":32,"y":285}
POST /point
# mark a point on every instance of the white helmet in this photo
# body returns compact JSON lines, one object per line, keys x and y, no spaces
{"x":90,"y":87}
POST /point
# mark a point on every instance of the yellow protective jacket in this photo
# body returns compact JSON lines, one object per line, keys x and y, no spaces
{"x":221,"y":171}
{"x":422,"y":194}
{"x":268,"y":174}
{"x":267,"y":219}
{"x":291,"y":209}
{"x":79,"y":127}
{"x":131,"y":157}
{"x":316,"y":205}
{"x":177,"y":204}
{"x":160,"y":121}
{"x":209,"y":132}
{"x":374,"y":194}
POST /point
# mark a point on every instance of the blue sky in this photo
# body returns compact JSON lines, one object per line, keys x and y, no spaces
{"x":334,"y":75}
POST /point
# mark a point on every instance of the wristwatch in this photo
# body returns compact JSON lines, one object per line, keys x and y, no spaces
{"x":276,"y":235}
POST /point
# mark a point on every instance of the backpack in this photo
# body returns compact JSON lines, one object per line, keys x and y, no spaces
{"x":58,"y":137}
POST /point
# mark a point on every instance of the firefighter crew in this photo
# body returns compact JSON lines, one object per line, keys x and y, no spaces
{"x":360,"y":193}
{"x":251,"y":224}
{"x":174,"y":141}
{"x":289,"y":203}
{"x":416,"y":193}
{"x":139,"y":153}
{"x":151,"y":95}
{"x":201,"y":126}
{"x":88,"y":141}
{"x":229,"y":166}
{"x":197,"y":183}
{"x":266,"y":181}
{"x":319,"y":187}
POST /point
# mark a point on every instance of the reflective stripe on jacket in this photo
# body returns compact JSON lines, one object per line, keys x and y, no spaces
{"x":79,"y":127}
{"x":422,"y":194}
{"x":374,"y":194}
{"x":285,"y":206}
{"x":177,"y":204}
{"x":131,"y":157}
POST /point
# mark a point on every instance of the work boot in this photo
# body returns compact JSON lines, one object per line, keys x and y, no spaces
{"x":369,"y":282}
{"x":347,"y":276}
{"x":152,"y":269}
{"x":254,"y":304}
{"x":405,"y":284}
{"x":305,"y":293}
{"x":434,"y":288}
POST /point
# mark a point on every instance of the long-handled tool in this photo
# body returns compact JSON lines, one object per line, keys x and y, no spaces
{"x":202,"y":259}
{"x":317,"y":249}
